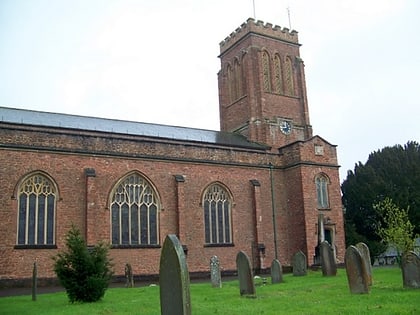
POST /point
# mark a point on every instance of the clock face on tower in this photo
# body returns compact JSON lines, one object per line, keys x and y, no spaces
{"x":286,"y":127}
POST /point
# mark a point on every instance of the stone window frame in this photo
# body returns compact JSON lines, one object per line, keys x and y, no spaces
{"x":37,"y":195}
{"x":134,"y":206}
{"x":322,"y":181}
{"x":278,"y":74}
{"x":220,"y":237}
{"x":238,"y":78}
{"x":266,"y":71}
{"x":289,"y":76}
{"x":235,"y":80}
{"x":230,"y":82}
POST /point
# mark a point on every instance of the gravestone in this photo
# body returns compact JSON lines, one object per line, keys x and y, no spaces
{"x":410,"y":265}
{"x":216,"y":279}
{"x":299,"y":264}
{"x":34,"y":282}
{"x":321,"y":231}
{"x":329,"y":267}
{"x":129,"y":280}
{"x":356,"y":271}
{"x":276,"y":272}
{"x":246,"y":280}
{"x":364,"y":251}
{"x":174,"y":280}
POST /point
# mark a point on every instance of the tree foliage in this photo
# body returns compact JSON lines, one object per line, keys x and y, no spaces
{"x":392,"y":172}
{"x":397,"y":230}
{"x":84,"y":273}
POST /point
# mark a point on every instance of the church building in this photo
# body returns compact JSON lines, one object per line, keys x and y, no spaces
{"x":263,"y":184}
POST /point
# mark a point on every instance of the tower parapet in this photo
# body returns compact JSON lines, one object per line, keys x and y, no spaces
{"x":258,"y":27}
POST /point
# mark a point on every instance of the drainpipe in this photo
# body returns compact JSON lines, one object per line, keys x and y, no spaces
{"x":273,"y":209}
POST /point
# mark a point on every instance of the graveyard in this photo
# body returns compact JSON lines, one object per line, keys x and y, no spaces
{"x":356,"y":289}
{"x":309,"y":294}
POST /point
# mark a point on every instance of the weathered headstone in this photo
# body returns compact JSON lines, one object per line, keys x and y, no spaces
{"x":276,"y":272}
{"x":321,"y":231}
{"x":216,"y":279}
{"x":364,"y":251}
{"x":410,"y":265}
{"x":246,"y":280}
{"x":329,"y":267}
{"x":34,"y":282}
{"x":356,"y":271}
{"x":174,"y":280}
{"x":129,"y":280}
{"x":299,"y":264}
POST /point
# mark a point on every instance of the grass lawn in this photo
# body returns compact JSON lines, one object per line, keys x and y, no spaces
{"x":312,"y":294}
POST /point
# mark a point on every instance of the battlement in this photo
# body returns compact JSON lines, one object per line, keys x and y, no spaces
{"x":258,"y":27}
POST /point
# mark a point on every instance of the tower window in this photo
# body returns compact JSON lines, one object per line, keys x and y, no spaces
{"x":321,"y":182}
{"x":290,"y":89}
{"x":36,"y":211}
{"x":230,"y":83}
{"x":217,"y":215}
{"x":278,"y":79}
{"x":238,"y":79}
{"x":134,"y":212}
{"x":266,"y":71}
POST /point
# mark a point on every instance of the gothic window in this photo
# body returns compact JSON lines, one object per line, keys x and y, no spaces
{"x":37,"y":197}
{"x":321,"y":182}
{"x":230,"y":83}
{"x":238,"y":79}
{"x":217,"y":215}
{"x":278,"y":75}
{"x":289,"y":77}
{"x":134,"y":212}
{"x":266,"y":71}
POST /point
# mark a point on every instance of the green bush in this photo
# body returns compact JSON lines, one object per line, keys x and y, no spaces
{"x":84,"y":273}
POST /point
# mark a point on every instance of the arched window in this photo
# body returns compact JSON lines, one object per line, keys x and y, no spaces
{"x":321,"y":182}
{"x":238,"y":79}
{"x":37,"y":197}
{"x":217,"y":215}
{"x":266,"y":71}
{"x":230,"y":83}
{"x":134,"y":212}
{"x":278,"y":75}
{"x":290,"y":89}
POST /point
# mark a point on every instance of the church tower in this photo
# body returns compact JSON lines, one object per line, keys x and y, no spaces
{"x":262,"y":86}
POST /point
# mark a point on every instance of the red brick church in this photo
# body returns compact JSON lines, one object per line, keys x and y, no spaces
{"x":258,"y":185}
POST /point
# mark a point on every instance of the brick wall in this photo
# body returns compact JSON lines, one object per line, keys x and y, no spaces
{"x":65,"y":156}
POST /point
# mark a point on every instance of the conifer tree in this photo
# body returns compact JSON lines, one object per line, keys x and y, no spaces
{"x":392,"y":172}
{"x":84,"y":273}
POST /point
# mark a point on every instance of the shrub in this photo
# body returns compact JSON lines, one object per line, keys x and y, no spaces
{"x":84,"y":273}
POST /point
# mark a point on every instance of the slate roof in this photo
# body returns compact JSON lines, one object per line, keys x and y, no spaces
{"x":75,"y":122}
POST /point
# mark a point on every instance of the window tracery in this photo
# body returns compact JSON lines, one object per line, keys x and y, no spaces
{"x":134,"y":212}
{"x":217,"y":215}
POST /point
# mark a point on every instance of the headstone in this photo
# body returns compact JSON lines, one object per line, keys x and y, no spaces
{"x":216,"y":279}
{"x":356,"y":271}
{"x":129,"y":280}
{"x":246,"y":280}
{"x":410,"y":265}
{"x":34,"y":282}
{"x":276,"y":272}
{"x":299,"y":264}
{"x":174,"y":280}
{"x":364,"y":251}
{"x":329,"y":267}
{"x":321,"y":232}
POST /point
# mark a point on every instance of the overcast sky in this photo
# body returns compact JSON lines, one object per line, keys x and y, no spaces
{"x":156,"y":61}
